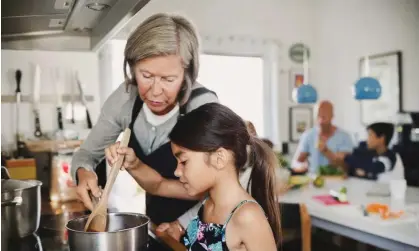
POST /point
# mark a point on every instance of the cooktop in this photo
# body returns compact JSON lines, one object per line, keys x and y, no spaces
{"x":37,"y":242}
{"x":52,"y":236}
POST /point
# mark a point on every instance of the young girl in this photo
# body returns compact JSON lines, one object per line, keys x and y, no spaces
{"x":209,"y":144}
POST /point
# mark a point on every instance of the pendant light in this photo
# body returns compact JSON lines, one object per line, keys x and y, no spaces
{"x":367,"y":88}
{"x":306,"y":93}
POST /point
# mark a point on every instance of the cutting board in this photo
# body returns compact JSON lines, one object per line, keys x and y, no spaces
{"x":355,"y":212}
{"x":328,"y":200}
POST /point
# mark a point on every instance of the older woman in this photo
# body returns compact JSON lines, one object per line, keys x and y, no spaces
{"x":162,"y":56}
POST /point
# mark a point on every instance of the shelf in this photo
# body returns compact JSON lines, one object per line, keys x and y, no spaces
{"x":51,"y":145}
{"x":44,"y":98}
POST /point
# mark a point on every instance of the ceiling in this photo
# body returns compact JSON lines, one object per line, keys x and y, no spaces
{"x":97,"y":20}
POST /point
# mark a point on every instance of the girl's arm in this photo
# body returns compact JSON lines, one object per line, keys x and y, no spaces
{"x":148,"y":178}
{"x":151,"y":181}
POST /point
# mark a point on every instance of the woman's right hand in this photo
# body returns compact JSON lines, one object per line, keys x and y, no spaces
{"x":87,"y":182}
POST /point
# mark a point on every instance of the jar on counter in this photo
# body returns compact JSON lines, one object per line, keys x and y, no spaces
{"x":62,"y":188}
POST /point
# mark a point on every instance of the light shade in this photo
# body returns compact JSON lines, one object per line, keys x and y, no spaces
{"x":367,"y":88}
{"x":305,"y":94}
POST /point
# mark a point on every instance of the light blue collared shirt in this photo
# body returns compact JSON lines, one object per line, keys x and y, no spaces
{"x":340,"y":142}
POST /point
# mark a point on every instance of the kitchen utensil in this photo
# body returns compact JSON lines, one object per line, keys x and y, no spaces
{"x":19,"y":143}
{"x":36,"y":99}
{"x":58,"y":83}
{"x":21,"y":206}
{"x":97,"y":219}
{"x":126,"y":232}
{"x":94,"y":199}
{"x":84,"y":101}
{"x":73,"y":120}
{"x":126,"y":194}
{"x":364,"y":210}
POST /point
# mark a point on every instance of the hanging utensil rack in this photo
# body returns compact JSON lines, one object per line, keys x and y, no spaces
{"x":44,"y":98}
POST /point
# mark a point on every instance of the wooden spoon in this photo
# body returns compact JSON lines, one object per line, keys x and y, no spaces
{"x":97,"y":220}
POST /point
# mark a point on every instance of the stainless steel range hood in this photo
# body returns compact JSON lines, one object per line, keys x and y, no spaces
{"x":67,"y":25}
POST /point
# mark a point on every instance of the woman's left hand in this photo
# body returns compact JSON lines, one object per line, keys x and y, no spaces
{"x":173,"y":229}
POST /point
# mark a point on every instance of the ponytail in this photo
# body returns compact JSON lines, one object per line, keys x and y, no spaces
{"x":262,"y":181}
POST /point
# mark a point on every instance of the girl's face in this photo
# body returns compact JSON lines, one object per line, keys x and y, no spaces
{"x":159,"y":80}
{"x":194,"y":170}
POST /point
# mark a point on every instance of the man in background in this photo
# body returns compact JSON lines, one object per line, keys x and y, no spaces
{"x":322,"y":144}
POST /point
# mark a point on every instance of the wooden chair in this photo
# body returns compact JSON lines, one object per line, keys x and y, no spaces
{"x":296,"y":226}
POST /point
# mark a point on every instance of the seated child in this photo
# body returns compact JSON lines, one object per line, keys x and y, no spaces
{"x":373,"y":157}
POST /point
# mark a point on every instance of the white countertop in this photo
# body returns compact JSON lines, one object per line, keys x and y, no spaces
{"x":405,"y":229}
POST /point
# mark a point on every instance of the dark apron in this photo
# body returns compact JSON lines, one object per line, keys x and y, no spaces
{"x":159,"y":209}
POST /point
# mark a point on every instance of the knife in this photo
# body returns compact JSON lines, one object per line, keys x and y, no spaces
{"x":73,"y":120}
{"x":19,"y":144}
{"x":58,"y":91}
{"x":83,"y":101}
{"x":36,"y":98}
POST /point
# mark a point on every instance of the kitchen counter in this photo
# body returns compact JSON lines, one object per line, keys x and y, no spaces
{"x":52,"y":235}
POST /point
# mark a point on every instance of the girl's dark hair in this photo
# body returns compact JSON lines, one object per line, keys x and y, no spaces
{"x":212,"y":126}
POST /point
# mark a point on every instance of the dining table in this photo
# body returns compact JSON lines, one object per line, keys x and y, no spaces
{"x":350,"y":219}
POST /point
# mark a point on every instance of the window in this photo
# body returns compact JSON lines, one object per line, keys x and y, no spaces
{"x":238,"y":82}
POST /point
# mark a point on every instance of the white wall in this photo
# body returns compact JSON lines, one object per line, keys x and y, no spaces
{"x":111,"y":75}
{"x":345,"y":31}
{"x":86,"y":63}
{"x":338,"y":33}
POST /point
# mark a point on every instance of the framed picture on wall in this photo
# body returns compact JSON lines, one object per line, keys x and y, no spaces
{"x":296,"y":79}
{"x":300,"y":119}
{"x":387,"y":69}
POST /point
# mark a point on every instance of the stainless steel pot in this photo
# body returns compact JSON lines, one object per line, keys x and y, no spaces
{"x":126,"y":232}
{"x":20,"y":206}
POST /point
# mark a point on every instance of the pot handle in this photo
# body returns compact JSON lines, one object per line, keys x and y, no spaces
{"x":17,"y":201}
{"x":7,"y":174}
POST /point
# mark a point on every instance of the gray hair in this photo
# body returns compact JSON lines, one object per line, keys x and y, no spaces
{"x":165,"y":34}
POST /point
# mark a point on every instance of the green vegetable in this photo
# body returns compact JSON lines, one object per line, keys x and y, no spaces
{"x":318,"y":182}
{"x":282,"y":161}
{"x":330,"y":170}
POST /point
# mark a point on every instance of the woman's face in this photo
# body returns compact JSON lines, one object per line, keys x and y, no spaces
{"x":194,"y":170}
{"x":159,"y":80}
